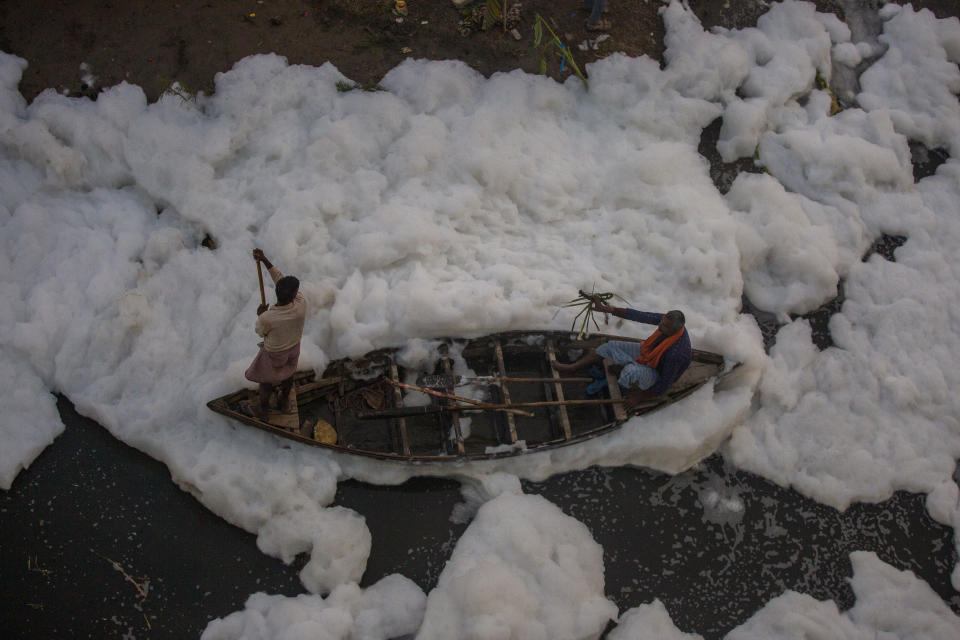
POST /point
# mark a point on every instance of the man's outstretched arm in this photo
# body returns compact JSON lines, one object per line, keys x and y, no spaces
{"x":628,"y":313}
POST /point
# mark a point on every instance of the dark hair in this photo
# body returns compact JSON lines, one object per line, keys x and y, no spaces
{"x":287,"y":288}
{"x":676,"y":318}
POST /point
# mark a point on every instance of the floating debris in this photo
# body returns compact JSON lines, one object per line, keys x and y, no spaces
{"x":594,"y":44}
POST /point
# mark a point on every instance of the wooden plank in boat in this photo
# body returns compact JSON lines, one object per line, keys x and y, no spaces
{"x":322,"y":383}
{"x":511,"y":422}
{"x":310,"y":391}
{"x":619,"y":412}
{"x":696,"y":373}
{"x":398,"y":402}
{"x":558,"y":390}
{"x":290,"y":419}
{"x":447,"y":369}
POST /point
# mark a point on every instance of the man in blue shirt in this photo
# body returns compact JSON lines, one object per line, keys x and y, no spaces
{"x":648,"y":367}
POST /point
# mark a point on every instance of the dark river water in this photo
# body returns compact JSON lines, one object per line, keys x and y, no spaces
{"x":96,"y":541}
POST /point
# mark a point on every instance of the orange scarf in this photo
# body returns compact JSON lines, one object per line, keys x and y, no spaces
{"x":650,"y":355}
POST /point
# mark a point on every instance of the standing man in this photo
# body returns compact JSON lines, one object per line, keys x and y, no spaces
{"x":648,"y":367}
{"x":281,"y":327}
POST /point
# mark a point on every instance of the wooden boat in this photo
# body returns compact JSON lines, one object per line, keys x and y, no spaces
{"x":515,"y":403}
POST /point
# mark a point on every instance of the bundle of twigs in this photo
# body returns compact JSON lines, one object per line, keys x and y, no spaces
{"x":587,"y":302}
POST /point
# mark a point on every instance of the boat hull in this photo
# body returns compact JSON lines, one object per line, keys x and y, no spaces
{"x":510,"y":402}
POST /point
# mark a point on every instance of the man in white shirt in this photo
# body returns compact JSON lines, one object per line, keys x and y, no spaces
{"x":281,"y":327}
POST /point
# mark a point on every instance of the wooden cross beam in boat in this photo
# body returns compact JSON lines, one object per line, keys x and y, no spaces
{"x":398,"y":402}
{"x":511,"y":422}
{"x":558,"y":389}
{"x":447,"y":369}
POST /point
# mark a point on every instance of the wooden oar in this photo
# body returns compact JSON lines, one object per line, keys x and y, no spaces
{"x":263,"y":297}
{"x":450,"y":396}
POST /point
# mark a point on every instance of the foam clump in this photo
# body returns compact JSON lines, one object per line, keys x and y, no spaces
{"x":917,"y":79}
{"x":649,"y":622}
{"x":391,"y":608}
{"x":522,"y":569}
{"x":889,"y":603}
{"x":36,"y":426}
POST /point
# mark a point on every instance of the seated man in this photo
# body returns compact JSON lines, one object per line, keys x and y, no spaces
{"x":649,"y":367}
{"x":281,"y":328}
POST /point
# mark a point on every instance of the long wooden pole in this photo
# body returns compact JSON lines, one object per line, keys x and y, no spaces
{"x":408,"y":411}
{"x":508,"y":379}
{"x":263,"y":297}
{"x":553,"y":403}
{"x":450,"y":396}
{"x":512,"y":405}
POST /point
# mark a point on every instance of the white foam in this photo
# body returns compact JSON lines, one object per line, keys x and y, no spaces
{"x":523,"y":569}
{"x":451,"y":204}
{"x":889,"y":604}
{"x":391,"y":608}
{"x":649,"y":622}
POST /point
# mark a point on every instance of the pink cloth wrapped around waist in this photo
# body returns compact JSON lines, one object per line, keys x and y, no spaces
{"x":273,"y":367}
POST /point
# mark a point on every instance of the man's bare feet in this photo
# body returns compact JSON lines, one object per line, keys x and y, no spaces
{"x":284,"y":404}
{"x":253,"y":409}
